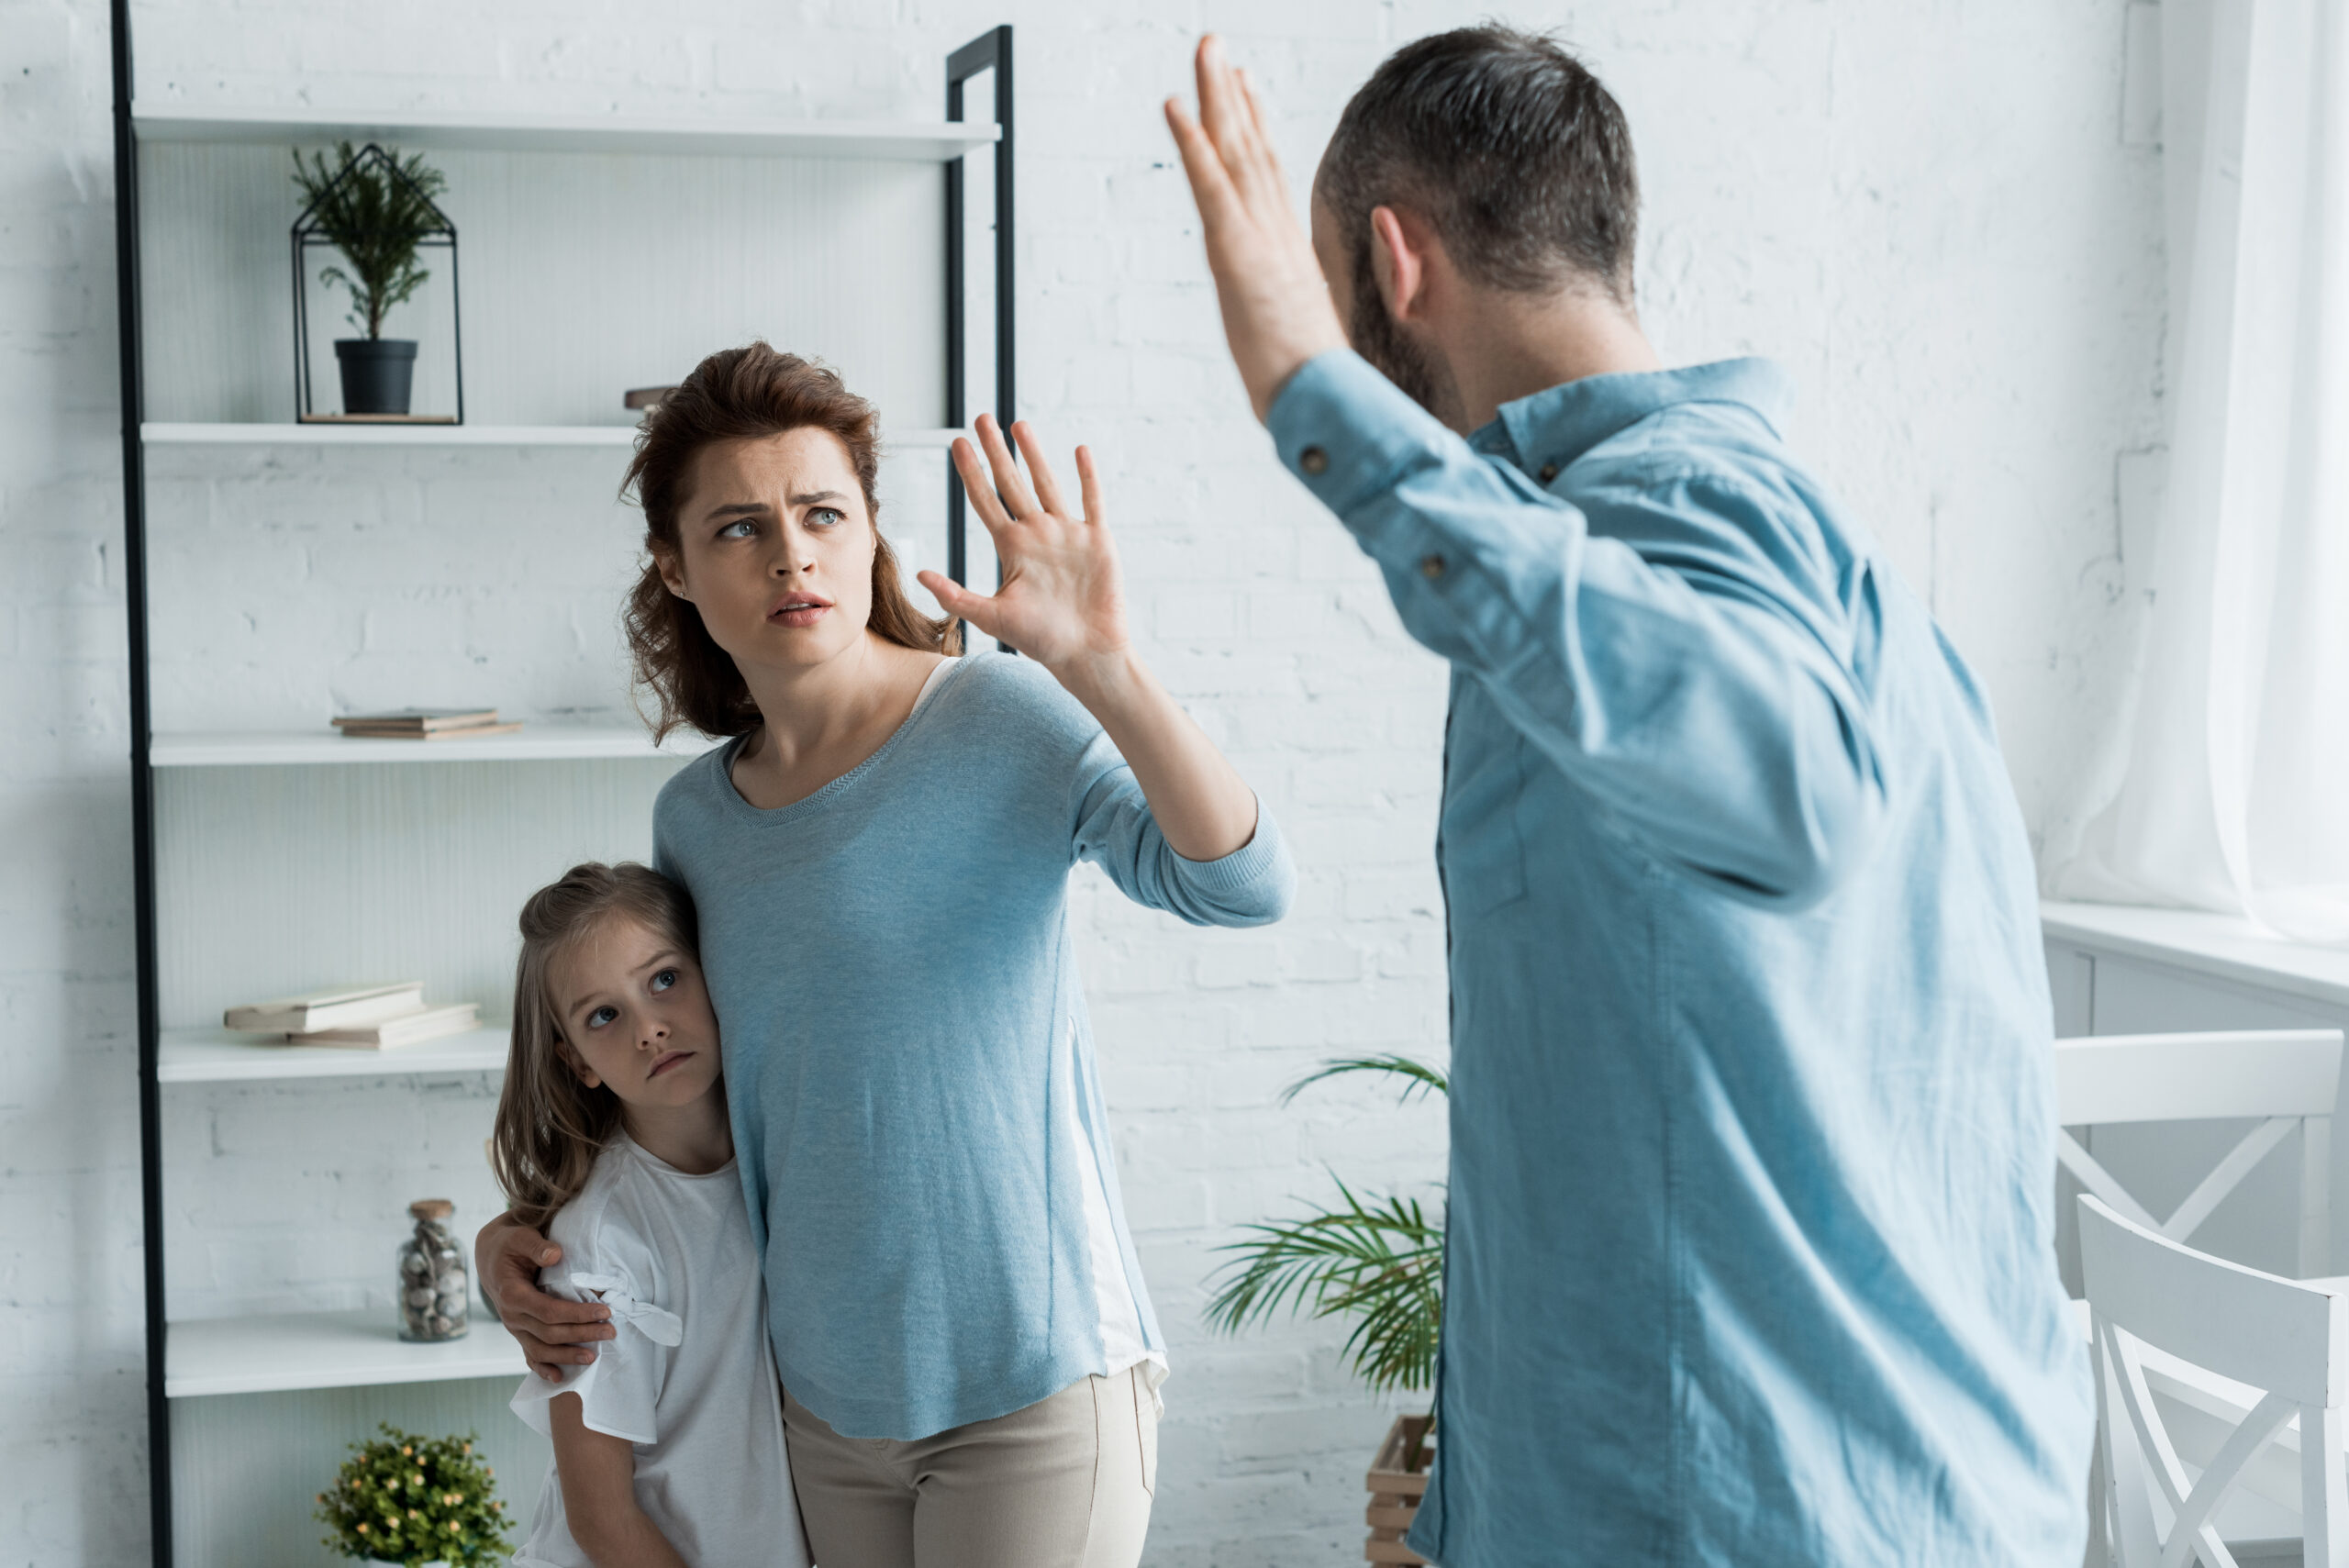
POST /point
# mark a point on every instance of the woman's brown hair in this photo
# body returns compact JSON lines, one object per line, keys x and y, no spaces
{"x":551,"y":1125}
{"x":736,"y":394}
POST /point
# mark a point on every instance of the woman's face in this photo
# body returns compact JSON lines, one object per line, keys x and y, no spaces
{"x":774,"y":547}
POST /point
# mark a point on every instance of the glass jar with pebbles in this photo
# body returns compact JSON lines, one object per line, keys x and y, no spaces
{"x":435,"y":1289}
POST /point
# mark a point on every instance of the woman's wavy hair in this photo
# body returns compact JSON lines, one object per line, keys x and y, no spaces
{"x":551,"y":1125}
{"x":736,"y":394}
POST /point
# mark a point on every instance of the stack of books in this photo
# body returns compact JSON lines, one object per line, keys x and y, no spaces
{"x":355,"y":1018}
{"x":426,"y":724}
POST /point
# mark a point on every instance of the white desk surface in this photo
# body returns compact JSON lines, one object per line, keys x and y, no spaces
{"x":2225,"y":946}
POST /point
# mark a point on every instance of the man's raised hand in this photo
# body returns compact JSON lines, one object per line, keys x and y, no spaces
{"x":1277,"y":308}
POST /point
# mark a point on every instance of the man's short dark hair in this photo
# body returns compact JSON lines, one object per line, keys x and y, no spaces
{"x":1503,"y":142}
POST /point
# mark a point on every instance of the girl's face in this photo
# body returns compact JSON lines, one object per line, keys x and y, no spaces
{"x":635,"y":1015}
{"x":774,"y":547}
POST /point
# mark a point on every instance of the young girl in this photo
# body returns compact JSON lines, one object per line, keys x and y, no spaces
{"x":612,"y":1139}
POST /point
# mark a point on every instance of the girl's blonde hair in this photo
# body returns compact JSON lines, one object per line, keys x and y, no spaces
{"x":551,"y":1125}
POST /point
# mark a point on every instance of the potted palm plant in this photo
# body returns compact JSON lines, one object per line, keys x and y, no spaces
{"x":1377,"y":1262}
{"x":378,"y":211}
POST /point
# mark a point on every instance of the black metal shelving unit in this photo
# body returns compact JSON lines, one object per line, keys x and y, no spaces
{"x":990,"y":51}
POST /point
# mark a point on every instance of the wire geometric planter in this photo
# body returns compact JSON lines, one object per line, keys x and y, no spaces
{"x":309,"y":234}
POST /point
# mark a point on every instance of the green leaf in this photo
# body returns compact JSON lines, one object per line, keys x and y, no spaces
{"x":1379,"y":1263}
{"x":1417,"y":1077}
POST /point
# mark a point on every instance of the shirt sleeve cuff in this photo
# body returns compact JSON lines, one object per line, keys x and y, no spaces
{"x":1347,"y":431}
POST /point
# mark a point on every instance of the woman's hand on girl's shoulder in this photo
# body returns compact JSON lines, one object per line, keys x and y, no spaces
{"x":555,"y":1334}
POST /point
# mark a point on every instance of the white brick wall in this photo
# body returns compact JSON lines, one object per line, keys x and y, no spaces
{"x":1930,"y":214}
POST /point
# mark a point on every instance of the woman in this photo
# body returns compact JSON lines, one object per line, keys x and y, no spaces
{"x":880,"y":856}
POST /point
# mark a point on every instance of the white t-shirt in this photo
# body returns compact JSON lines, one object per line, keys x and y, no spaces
{"x":1122,"y":1344}
{"x":688,"y":1377}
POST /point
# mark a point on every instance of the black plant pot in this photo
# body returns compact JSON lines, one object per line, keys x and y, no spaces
{"x":376,"y":373}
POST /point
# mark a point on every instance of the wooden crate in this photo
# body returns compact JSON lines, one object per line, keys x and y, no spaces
{"x":1398,"y":1480}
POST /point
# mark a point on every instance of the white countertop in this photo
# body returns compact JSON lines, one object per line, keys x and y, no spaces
{"x":2225,"y":946}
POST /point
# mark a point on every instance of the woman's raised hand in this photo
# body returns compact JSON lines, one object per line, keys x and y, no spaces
{"x":1062,"y":603}
{"x":1061,"y":600}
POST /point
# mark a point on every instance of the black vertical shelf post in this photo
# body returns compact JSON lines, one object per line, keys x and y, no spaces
{"x":991,"y":51}
{"x":142,"y":779}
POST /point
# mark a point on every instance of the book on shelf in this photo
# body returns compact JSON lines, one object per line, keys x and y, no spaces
{"x":425,"y":724}
{"x":471,"y":732}
{"x":340,"y":1006}
{"x":390,"y":1034}
{"x":375,"y":420}
{"x":421,"y":719}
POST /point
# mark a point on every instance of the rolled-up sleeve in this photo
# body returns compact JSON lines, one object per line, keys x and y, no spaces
{"x":1114,"y":830}
{"x":1690,"y":692}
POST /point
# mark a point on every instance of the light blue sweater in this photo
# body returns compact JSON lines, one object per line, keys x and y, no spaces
{"x":908,"y":1064}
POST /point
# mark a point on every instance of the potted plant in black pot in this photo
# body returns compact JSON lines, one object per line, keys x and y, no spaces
{"x":1379,"y":1263}
{"x":378,"y":211}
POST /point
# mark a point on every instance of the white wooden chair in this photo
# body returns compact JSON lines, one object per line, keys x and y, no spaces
{"x":2286,"y":1077}
{"x":2252,"y":1366}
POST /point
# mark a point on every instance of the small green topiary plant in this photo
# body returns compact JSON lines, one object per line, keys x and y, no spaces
{"x":416,"y":1500}
{"x":376,"y":210}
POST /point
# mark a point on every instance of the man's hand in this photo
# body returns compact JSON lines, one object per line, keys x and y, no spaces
{"x":555,"y":1334}
{"x":1277,"y":308}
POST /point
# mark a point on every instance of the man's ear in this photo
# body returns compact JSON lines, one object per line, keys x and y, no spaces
{"x":671,"y":567}
{"x":571,"y":1059}
{"x":1399,"y":248}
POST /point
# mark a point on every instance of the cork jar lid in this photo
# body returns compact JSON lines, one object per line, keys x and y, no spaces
{"x":432,"y":1208}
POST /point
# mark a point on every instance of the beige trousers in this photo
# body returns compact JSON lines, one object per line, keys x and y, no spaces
{"x":1065,"y":1483}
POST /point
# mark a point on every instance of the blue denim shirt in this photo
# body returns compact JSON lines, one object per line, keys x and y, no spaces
{"x":1750,"y":1246}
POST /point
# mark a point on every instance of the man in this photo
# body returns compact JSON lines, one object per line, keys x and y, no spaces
{"x":1749,"y":1241}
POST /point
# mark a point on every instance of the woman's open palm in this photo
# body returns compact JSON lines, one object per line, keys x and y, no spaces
{"x":1061,"y":599}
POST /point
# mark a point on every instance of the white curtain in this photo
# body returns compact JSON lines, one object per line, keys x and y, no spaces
{"x":2235,"y":792}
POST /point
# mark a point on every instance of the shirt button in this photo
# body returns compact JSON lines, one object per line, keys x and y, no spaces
{"x":1431,"y":567}
{"x":1314,"y":460}
{"x":1549,"y":472}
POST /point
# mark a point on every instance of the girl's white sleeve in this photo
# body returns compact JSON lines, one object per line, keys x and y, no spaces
{"x":618,"y":1390}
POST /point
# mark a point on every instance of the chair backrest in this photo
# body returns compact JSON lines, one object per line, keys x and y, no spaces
{"x":2287,"y":1077}
{"x":2286,"y":1338}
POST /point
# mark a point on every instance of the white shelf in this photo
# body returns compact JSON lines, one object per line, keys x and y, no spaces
{"x":2223,"y":946}
{"x":222,"y":1056}
{"x":915,"y":140}
{"x":327,"y":1349}
{"x":532,"y":743}
{"x":157,"y":433}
